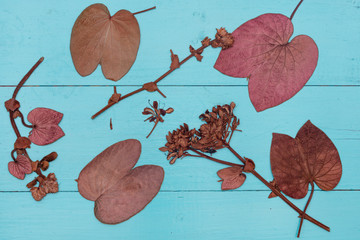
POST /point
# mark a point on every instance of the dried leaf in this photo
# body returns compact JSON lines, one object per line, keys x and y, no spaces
{"x":46,"y":129}
{"x":309,"y":157}
{"x":20,"y":167}
{"x":175,"y":63}
{"x":277,"y":68}
{"x":130,"y":195}
{"x":231,"y":177}
{"x":119,"y":191}
{"x":98,"y":38}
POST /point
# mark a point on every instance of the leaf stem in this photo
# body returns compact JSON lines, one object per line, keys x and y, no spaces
{"x":297,"y":6}
{"x":27,"y":75}
{"x":278,"y":193}
{"x":156,"y":81}
{"x":156,"y":122}
{"x":306,"y":206}
{"x":214,"y":159}
{"x":23,"y":120}
{"x":144,"y":10}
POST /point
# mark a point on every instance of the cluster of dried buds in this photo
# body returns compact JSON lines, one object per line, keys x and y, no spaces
{"x":44,"y":130}
{"x":156,"y":114}
{"x":214,"y":134}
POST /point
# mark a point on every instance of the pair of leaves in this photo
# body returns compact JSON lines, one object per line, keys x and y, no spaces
{"x":119,"y":190}
{"x":20,"y":167}
{"x":309,"y":157}
{"x":276,"y":68}
{"x":46,"y":128}
{"x":99,"y":38}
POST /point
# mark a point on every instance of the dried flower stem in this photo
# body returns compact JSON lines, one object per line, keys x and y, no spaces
{"x":144,"y":10}
{"x":306,"y":206}
{"x":293,"y":13}
{"x":156,"y":81}
{"x":278,"y":193}
{"x":200,"y":154}
{"x":156,"y":122}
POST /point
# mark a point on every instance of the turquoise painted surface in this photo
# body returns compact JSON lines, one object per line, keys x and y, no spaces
{"x":190,"y":204}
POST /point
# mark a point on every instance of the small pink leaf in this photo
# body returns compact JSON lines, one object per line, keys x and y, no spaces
{"x":232,"y":178}
{"x":46,"y":129}
{"x":21,"y":167}
{"x":277,"y":69}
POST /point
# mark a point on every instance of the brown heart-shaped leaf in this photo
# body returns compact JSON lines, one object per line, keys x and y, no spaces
{"x":130,"y":195}
{"x":277,"y":69}
{"x":231,"y":177}
{"x":111,"y":41}
{"x":309,"y":157}
{"x":119,"y":191}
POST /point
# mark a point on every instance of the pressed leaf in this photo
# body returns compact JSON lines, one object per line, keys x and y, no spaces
{"x":46,"y":129}
{"x":119,"y":191}
{"x":309,"y":157}
{"x":108,"y":167}
{"x":130,"y":195}
{"x":277,"y":69}
{"x":98,"y":38}
{"x":231,"y":177}
{"x":21,"y":167}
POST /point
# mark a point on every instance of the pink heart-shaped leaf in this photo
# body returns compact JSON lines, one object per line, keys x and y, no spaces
{"x":46,"y":129}
{"x":20,"y":167}
{"x":277,"y":69}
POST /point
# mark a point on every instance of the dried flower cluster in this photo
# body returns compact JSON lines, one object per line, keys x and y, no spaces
{"x":44,"y":130}
{"x":156,"y":114}
{"x":288,"y":157}
{"x":214,"y":134}
{"x":223,"y":39}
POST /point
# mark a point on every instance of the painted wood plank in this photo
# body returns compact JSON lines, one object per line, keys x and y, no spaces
{"x":333,"y":109}
{"x":180,"y":215}
{"x":43,"y":27}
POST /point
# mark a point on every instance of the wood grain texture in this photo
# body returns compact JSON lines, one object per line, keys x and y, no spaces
{"x":190,"y":204}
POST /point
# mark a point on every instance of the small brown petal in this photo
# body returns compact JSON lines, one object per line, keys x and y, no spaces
{"x":50,"y":157}
{"x":38,"y":193}
{"x":44,"y":165}
{"x":169,"y":110}
{"x":175,"y":63}
{"x":12,"y":104}
{"x":249,"y":165}
{"x":164,"y":149}
{"x":34,"y":165}
{"x":22,"y":142}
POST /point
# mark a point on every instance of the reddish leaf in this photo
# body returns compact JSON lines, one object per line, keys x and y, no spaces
{"x":20,"y":167}
{"x":98,"y":38}
{"x":231,"y":177}
{"x":130,"y":195}
{"x":46,"y":129}
{"x":277,"y":69}
{"x":119,"y":191}
{"x":311,"y":156}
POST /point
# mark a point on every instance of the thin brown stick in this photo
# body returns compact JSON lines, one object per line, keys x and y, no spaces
{"x":144,"y":10}
{"x":156,"y":122}
{"x":27,"y":75}
{"x":278,"y":193}
{"x":306,"y":206}
{"x":297,"y":6}
{"x":156,"y":81}
{"x":23,"y":120}
{"x":214,"y":159}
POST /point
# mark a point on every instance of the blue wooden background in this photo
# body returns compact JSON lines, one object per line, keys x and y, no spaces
{"x":190,"y":204}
